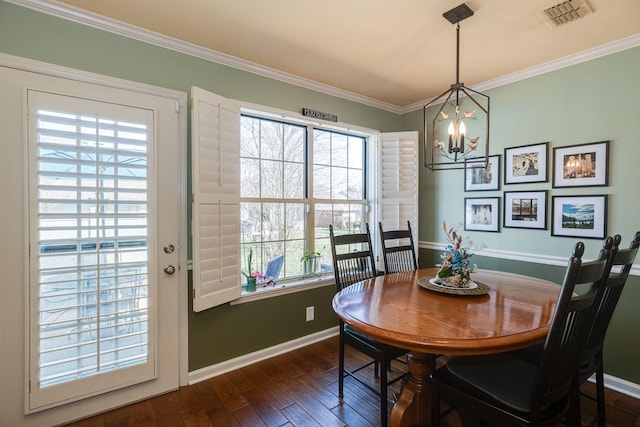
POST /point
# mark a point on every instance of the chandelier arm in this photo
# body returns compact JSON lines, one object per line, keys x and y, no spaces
{"x":468,"y":95}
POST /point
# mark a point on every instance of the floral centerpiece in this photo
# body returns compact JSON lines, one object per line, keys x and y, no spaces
{"x":455,"y":269}
{"x":252,"y":276}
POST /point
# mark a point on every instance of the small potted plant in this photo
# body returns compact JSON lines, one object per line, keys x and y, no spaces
{"x":310,"y":262}
{"x":251,"y":276}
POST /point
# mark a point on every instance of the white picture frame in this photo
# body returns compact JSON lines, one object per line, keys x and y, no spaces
{"x":477,"y":177}
{"x":482,"y":214}
{"x":526,"y":164}
{"x":525,"y":209}
{"x":579,"y":216}
{"x":584,"y":165}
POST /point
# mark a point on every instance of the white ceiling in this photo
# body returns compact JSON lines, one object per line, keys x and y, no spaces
{"x":399,"y":52}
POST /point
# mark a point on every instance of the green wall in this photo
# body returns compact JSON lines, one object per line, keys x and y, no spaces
{"x":594,"y":101}
{"x":589,"y":102}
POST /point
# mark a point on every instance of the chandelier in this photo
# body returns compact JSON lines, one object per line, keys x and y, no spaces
{"x":459,"y":129}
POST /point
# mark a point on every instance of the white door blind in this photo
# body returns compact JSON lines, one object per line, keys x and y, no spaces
{"x":399,"y":157}
{"x":89,"y":173}
{"x":216,"y":199}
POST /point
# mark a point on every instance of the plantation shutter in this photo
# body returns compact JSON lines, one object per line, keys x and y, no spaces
{"x":215,"y":127}
{"x":398,"y":185}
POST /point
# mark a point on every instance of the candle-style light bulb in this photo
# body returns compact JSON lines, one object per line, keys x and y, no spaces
{"x":451,"y":131}
{"x":463,"y":130}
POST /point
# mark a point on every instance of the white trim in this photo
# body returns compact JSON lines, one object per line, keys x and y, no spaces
{"x":93,"y":20}
{"x":96,"y":21}
{"x":297,"y":117}
{"x":620,"y":385}
{"x":546,"y":67}
{"x":29,"y":65}
{"x":283,"y":289}
{"x":25,"y":64}
{"x":183,"y":277}
{"x":518,"y":256}
{"x":257,"y":356}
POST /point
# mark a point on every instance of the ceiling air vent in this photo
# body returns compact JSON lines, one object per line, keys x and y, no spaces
{"x":566,"y":11}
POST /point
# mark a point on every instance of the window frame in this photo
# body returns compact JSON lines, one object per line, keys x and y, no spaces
{"x":368,"y":136}
{"x":402,"y":151}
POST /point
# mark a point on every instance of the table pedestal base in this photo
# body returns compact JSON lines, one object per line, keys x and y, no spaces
{"x":413,"y":407}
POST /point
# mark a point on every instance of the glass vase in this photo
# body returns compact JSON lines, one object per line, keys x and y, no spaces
{"x":251,"y":284}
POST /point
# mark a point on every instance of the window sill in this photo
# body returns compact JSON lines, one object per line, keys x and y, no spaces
{"x":264,"y":292}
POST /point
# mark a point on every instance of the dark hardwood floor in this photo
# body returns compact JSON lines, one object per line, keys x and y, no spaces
{"x":298,"y":388}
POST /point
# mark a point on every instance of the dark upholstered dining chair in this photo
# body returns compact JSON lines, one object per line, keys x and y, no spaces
{"x":398,"y":250}
{"x":591,"y":361}
{"x":508,"y":390}
{"x":353,"y":262}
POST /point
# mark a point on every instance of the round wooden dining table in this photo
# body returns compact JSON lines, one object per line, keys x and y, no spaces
{"x":510,"y":312}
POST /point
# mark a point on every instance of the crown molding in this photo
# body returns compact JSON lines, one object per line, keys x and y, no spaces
{"x":130,"y":31}
{"x":547,"y":67}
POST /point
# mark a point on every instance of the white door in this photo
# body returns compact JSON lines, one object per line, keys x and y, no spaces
{"x":102,"y":231}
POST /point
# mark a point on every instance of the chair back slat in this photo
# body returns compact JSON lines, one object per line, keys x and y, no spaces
{"x":568,"y":331}
{"x":398,"y":250}
{"x":621,"y":261}
{"x":352,"y":257}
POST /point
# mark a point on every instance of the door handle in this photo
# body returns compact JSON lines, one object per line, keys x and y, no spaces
{"x":169,"y":269}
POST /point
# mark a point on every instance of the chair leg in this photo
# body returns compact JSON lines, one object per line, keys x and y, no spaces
{"x":600,"y":396}
{"x":435,"y":405}
{"x":341,"y":364}
{"x":574,"y":418}
{"x":383,"y":396}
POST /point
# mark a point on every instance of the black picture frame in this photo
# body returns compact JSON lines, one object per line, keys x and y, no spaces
{"x":482,"y":214}
{"x":477,"y":177}
{"x":526,"y":164}
{"x":525,"y":209}
{"x":582,"y":165}
{"x":583,"y":217}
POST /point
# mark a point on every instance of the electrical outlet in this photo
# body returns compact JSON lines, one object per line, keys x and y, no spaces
{"x":310,"y":313}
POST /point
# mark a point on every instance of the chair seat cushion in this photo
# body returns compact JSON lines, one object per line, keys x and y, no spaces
{"x":369,"y":345}
{"x":501,"y":377}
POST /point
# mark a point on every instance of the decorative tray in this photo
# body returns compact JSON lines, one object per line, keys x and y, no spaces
{"x":475,"y":288}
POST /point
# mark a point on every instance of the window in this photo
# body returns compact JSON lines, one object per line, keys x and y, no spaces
{"x":272,"y":184}
{"x":297,"y":179}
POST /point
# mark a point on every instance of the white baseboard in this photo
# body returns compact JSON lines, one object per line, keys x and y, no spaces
{"x":620,"y":385}
{"x":248,"y":359}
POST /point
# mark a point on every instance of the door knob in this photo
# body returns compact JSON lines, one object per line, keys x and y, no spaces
{"x":169,"y":269}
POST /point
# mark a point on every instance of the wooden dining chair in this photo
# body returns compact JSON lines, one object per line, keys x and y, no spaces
{"x":509,"y":390}
{"x":591,"y":361}
{"x":398,"y":250}
{"x":353,"y":262}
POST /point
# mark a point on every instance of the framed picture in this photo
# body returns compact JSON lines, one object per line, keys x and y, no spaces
{"x":525,"y":209}
{"x":579,"y":216}
{"x":585,"y":165}
{"x":480,"y":178}
{"x":482,"y":213}
{"x":526,"y":163}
